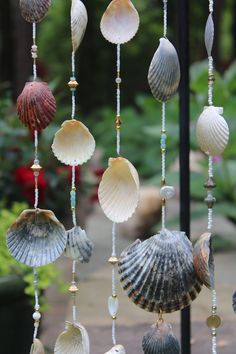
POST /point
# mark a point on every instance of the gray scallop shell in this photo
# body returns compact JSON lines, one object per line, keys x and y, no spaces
{"x":234,"y":302}
{"x":37,"y":238}
{"x":160,"y":339}
{"x":158,"y":274}
{"x":79,"y":247}
{"x":209,"y":35}
{"x":34,"y":10}
{"x":164,"y":71}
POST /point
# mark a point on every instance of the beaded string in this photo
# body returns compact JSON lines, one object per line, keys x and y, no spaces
{"x":73,"y":289}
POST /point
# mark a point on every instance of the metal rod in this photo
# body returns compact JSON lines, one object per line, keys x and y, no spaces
{"x":183,"y":41}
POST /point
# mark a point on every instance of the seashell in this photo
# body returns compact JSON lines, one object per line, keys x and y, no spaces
{"x":36,"y":238}
{"x":212,"y":131}
{"x":158,"y":273}
{"x":73,"y":144}
{"x":203,"y":260}
{"x":120,"y":22}
{"x":234,"y":302}
{"x":209,"y":35}
{"x":160,"y":339}
{"x":79,"y":247}
{"x":164,"y":71}
{"x":117,"y":349}
{"x":79,"y":20}
{"x":74,"y":340}
{"x":36,"y":105}
{"x":167,"y":192}
{"x":118,"y":191}
{"x":34,"y":10}
{"x":37,"y":347}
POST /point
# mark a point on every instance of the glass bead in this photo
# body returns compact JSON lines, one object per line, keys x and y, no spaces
{"x":213,"y":321}
{"x":36,"y":316}
{"x":167,"y":192}
{"x":73,"y":199}
{"x":163,"y":141}
{"x":113,"y":305}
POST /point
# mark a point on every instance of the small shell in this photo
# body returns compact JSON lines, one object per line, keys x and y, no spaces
{"x":164,"y":71}
{"x":203,"y":260}
{"x":167,"y":192}
{"x":118,"y":191}
{"x":117,"y":349}
{"x":79,"y":20}
{"x":79,"y":247}
{"x":160,"y":339}
{"x":36,"y":238}
{"x":158,"y":274}
{"x":37,"y":347}
{"x":73,"y":144}
{"x":74,"y":340}
{"x":34,"y":10}
{"x":120,"y":22}
{"x":234,"y":302}
{"x":36,"y":105}
{"x":212,"y":131}
{"x":209,"y":35}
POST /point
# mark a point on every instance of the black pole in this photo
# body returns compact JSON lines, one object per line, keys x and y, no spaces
{"x":183,"y":44}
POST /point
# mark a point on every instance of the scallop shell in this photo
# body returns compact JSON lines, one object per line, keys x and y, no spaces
{"x":120,"y":22}
{"x":74,"y":340}
{"x":36,"y":105}
{"x":118,"y":191}
{"x":160,"y":339}
{"x":37,"y":347}
{"x":209,"y":35}
{"x":36,"y":238}
{"x":79,"y":247}
{"x":73,"y":144}
{"x":212,"y":131}
{"x":117,"y":349}
{"x":203,"y":260}
{"x":34,"y":10}
{"x":158,"y":274}
{"x":79,"y":20}
{"x":164,"y":71}
{"x":234,"y":302}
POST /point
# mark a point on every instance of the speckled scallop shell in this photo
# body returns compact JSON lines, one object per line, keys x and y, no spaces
{"x":73,"y":144}
{"x":117,"y":349}
{"x":36,"y":105}
{"x":160,"y":339}
{"x":37,"y":347}
{"x":158,"y":274}
{"x":34,"y":10}
{"x":164,"y":71}
{"x":234,"y":302}
{"x":37,"y":238}
{"x":209,"y":35}
{"x":212,"y":131}
{"x":118,"y":191}
{"x":203,"y":260}
{"x":74,"y":340}
{"x":79,"y":247}
{"x":79,"y":20}
{"x":120,"y":22}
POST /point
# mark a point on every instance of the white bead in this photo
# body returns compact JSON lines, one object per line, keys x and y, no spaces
{"x":113,"y":305}
{"x":167,"y":192}
{"x":118,"y":80}
{"x":36,"y":316}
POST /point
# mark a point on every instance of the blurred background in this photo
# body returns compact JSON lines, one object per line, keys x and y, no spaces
{"x":140,"y":133}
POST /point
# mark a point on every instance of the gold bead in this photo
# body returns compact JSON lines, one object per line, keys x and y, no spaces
{"x":113,"y":260}
{"x":163,"y":151}
{"x":118,"y":122}
{"x":114,"y":296}
{"x":73,"y":209}
{"x":114,"y":317}
{"x":73,"y":189}
{"x":36,"y":167}
{"x":163,"y":202}
{"x":73,"y":289}
{"x":213,"y":321}
{"x":73,"y":84}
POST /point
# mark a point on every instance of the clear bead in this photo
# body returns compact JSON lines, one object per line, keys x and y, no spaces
{"x":113,"y":305}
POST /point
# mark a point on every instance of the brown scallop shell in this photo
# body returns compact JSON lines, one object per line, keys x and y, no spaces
{"x":34,"y":10}
{"x":36,"y":105}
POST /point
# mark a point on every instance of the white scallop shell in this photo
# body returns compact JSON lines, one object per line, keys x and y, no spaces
{"x":164,"y":71}
{"x":79,"y":20}
{"x":212,"y":131}
{"x":117,"y":349}
{"x":209,"y":35}
{"x":74,"y":340}
{"x":79,"y":247}
{"x":37,"y":238}
{"x":37,"y":347}
{"x":118,"y":191}
{"x":73,"y":144}
{"x":120,"y":22}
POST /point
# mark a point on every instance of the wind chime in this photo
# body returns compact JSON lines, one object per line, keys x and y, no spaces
{"x":74,"y":145}
{"x":212,"y":135}
{"x":119,"y":187}
{"x":37,"y":238}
